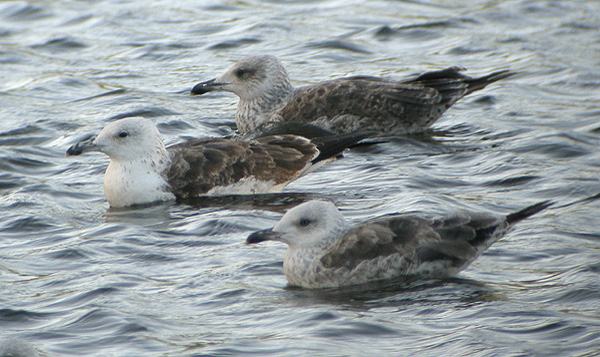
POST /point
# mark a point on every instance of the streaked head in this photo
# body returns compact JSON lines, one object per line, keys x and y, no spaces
{"x":308,"y":225}
{"x":249,"y":78}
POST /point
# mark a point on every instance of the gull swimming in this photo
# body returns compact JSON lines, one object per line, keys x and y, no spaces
{"x":142,"y":170}
{"x":325,"y":251}
{"x":343,"y":105}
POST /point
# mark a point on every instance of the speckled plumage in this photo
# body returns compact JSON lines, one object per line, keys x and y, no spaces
{"x":199,"y":166}
{"x":325,"y":251}
{"x":142,"y":170}
{"x":345,"y":105}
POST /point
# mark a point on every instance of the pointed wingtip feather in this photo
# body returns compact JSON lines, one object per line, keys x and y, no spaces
{"x":330,"y":146}
{"x":528,"y":211}
{"x":476,"y":84}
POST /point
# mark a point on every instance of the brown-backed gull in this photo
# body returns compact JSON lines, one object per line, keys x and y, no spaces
{"x":325,"y":251}
{"x":142,"y":170}
{"x":344,"y":105}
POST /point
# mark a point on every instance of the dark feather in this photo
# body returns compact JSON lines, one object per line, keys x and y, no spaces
{"x":197,"y":166}
{"x":378,"y":100}
{"x":306,"y":130}
{"x":334,"y":145}
{"x":453,"y":85}
{"x":453,"y":241}
{"x":397,"y":234}
{"x":528,"y":211}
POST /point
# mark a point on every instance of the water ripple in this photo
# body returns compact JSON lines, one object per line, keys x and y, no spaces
{"x":79,"y":278}
{"x":338,"y":45}
{"x":21,"y":11}
{"x":60,"y":45}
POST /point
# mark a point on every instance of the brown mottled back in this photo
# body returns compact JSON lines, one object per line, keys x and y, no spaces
{"x":454,"y":240}
{"x":199,"y":165}
{"x":385,"y":103}
{"x":381,"y":104}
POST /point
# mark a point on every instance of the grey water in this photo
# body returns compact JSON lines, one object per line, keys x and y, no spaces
{"x":176,"y":279}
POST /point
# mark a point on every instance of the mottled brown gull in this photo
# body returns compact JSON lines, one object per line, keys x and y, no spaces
{"x":142,"y":170}
{"x":324,"y":251}
{"x":344,"y":105}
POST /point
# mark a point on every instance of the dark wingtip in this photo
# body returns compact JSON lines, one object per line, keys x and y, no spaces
{"x":528,"y":211}
{"x":331,"y":146}
{"x":476,"y":84}
{"x":203,"y":87}
{"x":450,"y":72}
{"x":496,"y":76}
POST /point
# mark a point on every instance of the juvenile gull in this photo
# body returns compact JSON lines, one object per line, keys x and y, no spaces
{"x":344,"y":105}
{"x":142,"y":170}
{"x":325,"y":251}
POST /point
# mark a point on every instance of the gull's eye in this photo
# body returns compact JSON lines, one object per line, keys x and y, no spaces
{"x":123,"y":134}
{"x":240,"y":72}
{"x":305,"y":222}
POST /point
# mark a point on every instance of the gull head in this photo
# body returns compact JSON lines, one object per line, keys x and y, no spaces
{"x":124,"y":140}
{"x":250,"y":78}
{"x":309,"y":225}
{"x":138,"y":158}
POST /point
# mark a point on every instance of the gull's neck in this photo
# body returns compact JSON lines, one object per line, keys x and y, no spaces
{"x":137,"y":181}
{"x":253,"y":113}
{"x":302,"y":265}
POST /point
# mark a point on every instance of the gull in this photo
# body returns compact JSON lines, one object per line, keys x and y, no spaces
{"x":343,"y":105}
{"x":325,"y":251}
{"x":142,"y":170}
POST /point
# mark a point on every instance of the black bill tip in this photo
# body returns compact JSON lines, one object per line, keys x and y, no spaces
{"x":203,"y":87}
{"x":74,"y":150}
{"x":260,"y":236}
{"x":86,"y":143}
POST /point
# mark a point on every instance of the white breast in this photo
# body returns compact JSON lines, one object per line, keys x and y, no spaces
{"x":134,"y":183}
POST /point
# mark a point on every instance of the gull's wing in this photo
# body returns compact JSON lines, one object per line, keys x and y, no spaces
{"x":413,"y":103}
{"x":383,"y":101}
{"x":440,"y":246}
{"x":197,"y":166}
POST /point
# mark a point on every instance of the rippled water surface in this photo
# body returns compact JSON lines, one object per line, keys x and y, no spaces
{"x":78,"y":278}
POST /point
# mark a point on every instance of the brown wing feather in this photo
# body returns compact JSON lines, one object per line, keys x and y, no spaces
{"x":200,"y":165}
{"x":453,"y":240}
{"x":396,"y":234}
{"x":362,"y":97}
{"x":373,"y":103}
{"x":289,"y":153}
